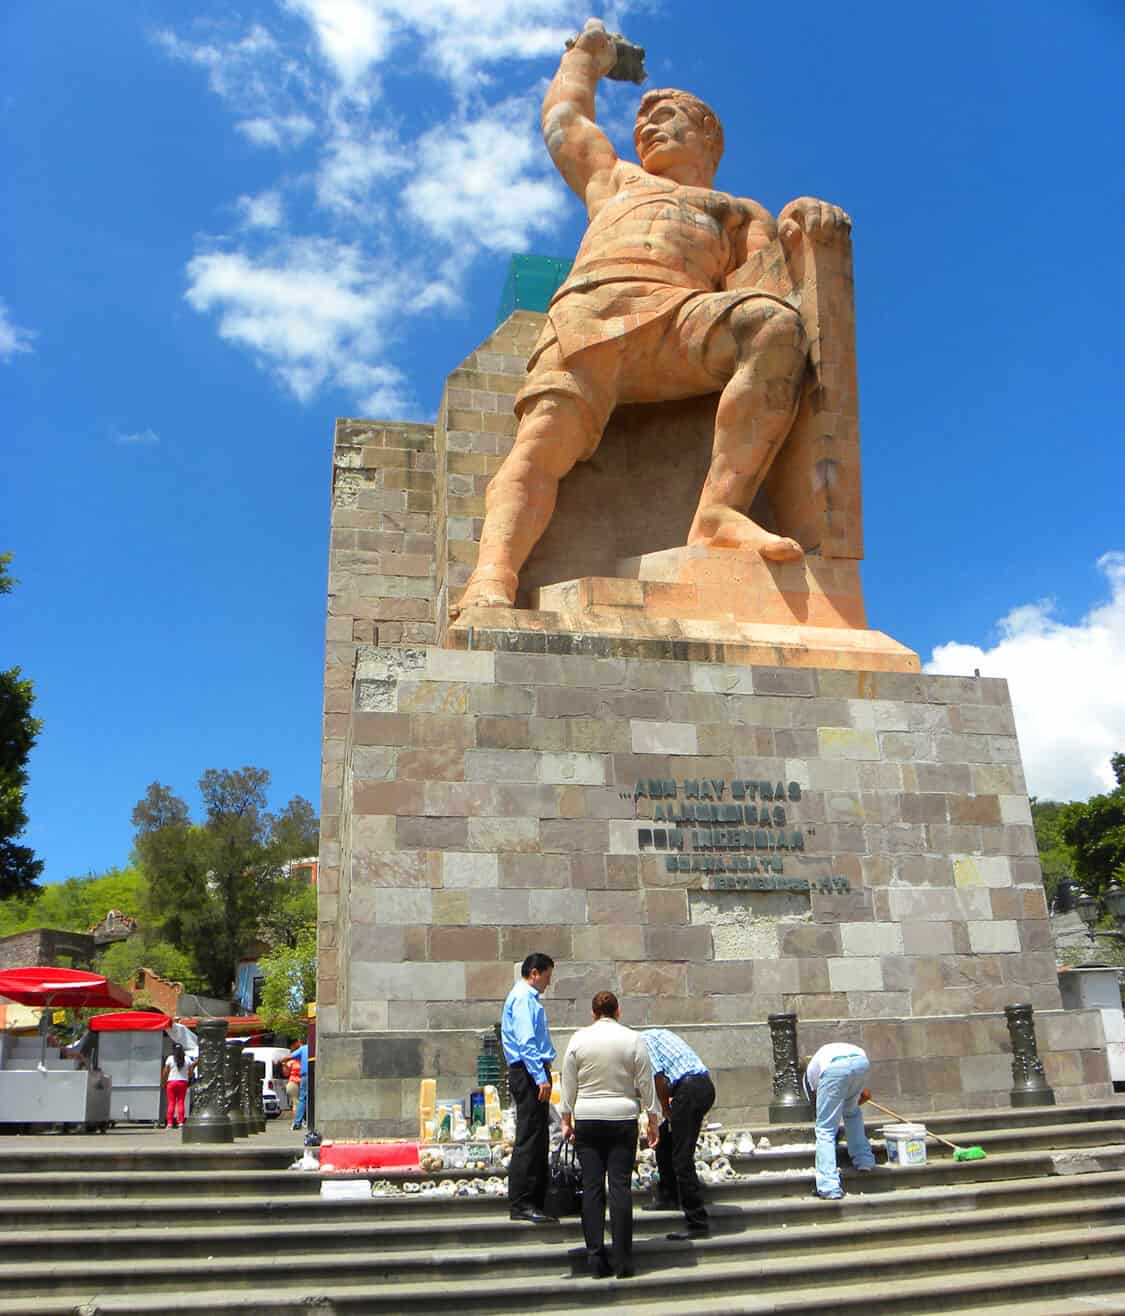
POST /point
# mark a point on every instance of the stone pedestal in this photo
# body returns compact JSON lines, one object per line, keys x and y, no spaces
{"x":716,"y":604}
{"x":693,"y":778}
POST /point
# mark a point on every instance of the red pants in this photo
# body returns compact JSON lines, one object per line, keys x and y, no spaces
{"x":177,"y":1091}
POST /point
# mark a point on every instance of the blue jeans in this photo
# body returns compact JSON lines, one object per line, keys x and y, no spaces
{"x":302,"y":1097}
{"x":837,"y":1098}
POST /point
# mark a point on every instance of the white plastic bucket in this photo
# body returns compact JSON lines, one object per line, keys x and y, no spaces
{"x":906,"y":1144}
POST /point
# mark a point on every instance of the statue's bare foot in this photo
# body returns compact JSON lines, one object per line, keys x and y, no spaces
{"x":723,"y":527}
{"x":491,"y":587}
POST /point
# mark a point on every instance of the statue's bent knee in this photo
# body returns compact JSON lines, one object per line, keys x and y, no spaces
{"x":760,"y":324}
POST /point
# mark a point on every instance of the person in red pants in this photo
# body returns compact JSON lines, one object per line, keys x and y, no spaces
{"x":178,"y":1070}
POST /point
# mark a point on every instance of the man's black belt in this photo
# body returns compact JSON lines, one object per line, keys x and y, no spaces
{"x":700,"y":1073}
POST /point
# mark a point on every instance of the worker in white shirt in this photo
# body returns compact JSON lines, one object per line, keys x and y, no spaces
{"x":835,"y":1077}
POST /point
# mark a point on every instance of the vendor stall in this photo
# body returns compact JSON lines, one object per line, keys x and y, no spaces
{"x":41,"y":1085}
{"x":132,"y":1045}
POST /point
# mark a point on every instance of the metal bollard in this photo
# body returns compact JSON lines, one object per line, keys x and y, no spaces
{"x":1029,"y":1085}
{"x":789,"y":1102}
{"x":208,"y":1121}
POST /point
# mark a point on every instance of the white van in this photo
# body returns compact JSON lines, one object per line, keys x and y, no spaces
{"x":274,"y":1098}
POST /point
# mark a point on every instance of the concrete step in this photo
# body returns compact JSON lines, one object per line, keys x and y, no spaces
{"x":768,"y":1233}
{"x":953,"y":1124}
{"x":991,"y":1140}
{"x":923,"y":1277}
{"x":42,"y":1154}
{"x":1105,"y":1145}
{"x":781,"y":1181}
{"x":244,"y":1216}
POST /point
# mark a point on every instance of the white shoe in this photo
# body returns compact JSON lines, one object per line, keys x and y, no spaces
{"x":746,"y":1144}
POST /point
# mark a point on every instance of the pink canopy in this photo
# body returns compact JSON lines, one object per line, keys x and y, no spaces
{"x":130,"y":1021}
{"x":61,"y":988}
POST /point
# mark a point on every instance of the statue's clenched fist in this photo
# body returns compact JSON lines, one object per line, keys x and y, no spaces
{"x":598,"y":44}
{"x":822,"y":222}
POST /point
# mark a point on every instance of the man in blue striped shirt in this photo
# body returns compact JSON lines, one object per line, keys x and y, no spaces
{"x":529,"y":1051}
{"x":686,"y":1094}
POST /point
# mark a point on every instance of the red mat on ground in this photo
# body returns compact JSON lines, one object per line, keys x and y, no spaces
{"x":369,"y":1156}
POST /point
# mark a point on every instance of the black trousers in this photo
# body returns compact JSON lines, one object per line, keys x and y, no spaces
{"x":527,"y":1172}
{"x":692,"y":1097}
{"x":607,"y":1149}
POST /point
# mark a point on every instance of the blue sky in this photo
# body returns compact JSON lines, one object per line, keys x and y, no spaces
{"x":225,"y":226}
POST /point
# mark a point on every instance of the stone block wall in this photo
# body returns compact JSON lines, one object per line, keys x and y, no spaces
{"x":381,"y":588}
{"x":20,"y":950}
{"x":492,"y":809}
{"x":367,"y":1084}
{"x":480,"y":804}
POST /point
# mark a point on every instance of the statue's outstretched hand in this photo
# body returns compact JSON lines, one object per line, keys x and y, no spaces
{"x":598,"y":44}
{"x":822,"y":222}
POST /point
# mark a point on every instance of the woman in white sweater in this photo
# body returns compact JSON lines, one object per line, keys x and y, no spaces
{"x":606,"y":1083}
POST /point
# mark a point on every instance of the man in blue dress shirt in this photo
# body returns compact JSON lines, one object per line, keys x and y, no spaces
{"x":686,"y":1093}
{"x":529,"y":1053}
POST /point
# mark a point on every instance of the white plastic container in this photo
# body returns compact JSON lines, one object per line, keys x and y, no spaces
{"x":906,"y":1144}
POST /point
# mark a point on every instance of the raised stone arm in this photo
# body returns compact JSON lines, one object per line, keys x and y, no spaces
{"x":579,"y":148}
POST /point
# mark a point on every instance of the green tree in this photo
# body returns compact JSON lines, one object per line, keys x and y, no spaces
{"x":121,"y":961}
{"x":213,"y":884}
{"x":289,"y":984}
{"x":292,"y":907}
{"x":1096,"y":833}
{"x":76,"y":904}
{"x":19,"y":869}
{"x":1056,"y":858}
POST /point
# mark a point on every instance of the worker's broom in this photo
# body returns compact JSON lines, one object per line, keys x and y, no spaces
{"x":959,"y":1153}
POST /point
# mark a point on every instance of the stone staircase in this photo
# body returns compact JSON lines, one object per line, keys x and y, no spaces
{"x":1038,"y":1227}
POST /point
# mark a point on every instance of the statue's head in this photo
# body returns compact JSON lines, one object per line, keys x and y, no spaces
{"x":673,"y":125}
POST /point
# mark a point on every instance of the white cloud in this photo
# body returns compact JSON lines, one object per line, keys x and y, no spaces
{"x":396,"y":202}
{"x":277,"y":130}
{"x":264,"y":86}
{"x":353,"y":35}
{"x":13,"y":337}
{"x":262,"y":211}
{"x":484,"y":181}
{"x":356,"y":160}
{"x":459,"y":37}
{"x":315,"y":311}
{"x":1067,"y":687}
{"x":142,"y":437}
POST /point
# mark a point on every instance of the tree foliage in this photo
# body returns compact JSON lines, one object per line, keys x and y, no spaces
{"x":1096,"y":833}
{"x":1056,"y":858}
{"x":213,"y":885}
{"x":76,"y":904}
{"x":121,"y":961}
{"x":289,"y":983}
{"x":19,"y":868}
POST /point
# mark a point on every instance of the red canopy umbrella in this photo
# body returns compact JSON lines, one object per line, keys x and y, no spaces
{"x":61,"y":988}
{"x":130,"y":1021}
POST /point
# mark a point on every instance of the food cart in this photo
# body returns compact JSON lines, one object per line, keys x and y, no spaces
{"x":132,"y":1045}
{"x":39,"y":1086}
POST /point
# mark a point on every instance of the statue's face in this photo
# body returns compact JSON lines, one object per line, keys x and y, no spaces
{"x":670,"y":134}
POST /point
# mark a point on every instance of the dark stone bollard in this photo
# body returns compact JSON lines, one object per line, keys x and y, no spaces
{"x":1029,"y":1086}
{"x":246,"y":1092}
{"x":208,"y":1121}
{"x":232,"y":1069}
{"x":789,"y":1102}
{"x":259,"y":1108}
